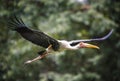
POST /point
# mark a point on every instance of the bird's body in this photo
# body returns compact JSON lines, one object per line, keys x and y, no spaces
{"x":51,"y":44}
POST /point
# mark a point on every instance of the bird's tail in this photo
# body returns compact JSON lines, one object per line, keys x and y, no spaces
{"x":15,"y":23}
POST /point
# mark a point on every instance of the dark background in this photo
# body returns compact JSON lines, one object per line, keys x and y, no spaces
{"x":61,"y":19}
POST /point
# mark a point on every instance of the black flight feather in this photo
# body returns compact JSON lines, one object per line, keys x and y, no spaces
{"x":36,"y":37}
{"x":75,"y":42}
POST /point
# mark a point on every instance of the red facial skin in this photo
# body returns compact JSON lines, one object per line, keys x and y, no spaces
{"x":82,"y":45}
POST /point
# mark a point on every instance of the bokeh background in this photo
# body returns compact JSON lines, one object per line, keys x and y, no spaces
{"x":61,"y":19}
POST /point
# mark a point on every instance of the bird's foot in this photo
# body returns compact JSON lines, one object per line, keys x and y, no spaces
{"x":40,"y":56}
{"x":37,"y":58}
{"x":28,"y":62}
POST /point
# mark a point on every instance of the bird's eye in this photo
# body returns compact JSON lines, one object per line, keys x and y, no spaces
{"x":81,"y":44}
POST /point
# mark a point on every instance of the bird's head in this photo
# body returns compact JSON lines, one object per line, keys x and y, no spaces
{"x":86,"y":45}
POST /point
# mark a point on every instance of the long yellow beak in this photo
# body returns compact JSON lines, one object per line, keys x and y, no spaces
{"x":86,"y":45}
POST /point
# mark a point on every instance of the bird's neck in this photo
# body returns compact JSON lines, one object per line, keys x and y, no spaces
{"x":72,"y":47}
{"x":66,"y":45}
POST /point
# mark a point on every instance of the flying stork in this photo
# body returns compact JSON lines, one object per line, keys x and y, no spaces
{"x":51,"y":44}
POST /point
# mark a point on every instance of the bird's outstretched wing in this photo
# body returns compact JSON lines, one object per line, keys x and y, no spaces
{"x":36,"y":37}
{"x":74,"y":42}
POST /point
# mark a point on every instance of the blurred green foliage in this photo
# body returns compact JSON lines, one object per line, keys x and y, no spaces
{"x":61,"y":19}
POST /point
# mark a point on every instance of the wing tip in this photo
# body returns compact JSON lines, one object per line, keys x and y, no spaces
{"x":14,"y":22}
{"x":109,"y":34}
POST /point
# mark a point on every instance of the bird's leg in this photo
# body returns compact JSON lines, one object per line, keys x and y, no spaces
{"x":47,"y":49}
{"x":40,"y":56}
{"x":37,"y":58}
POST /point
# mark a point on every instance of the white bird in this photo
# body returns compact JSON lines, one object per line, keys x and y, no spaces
{"x":51,"y":44}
